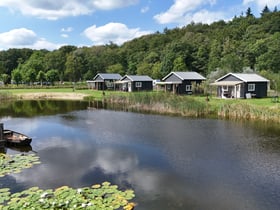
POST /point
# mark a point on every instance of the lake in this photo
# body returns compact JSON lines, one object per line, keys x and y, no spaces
{"x":170,"y":162}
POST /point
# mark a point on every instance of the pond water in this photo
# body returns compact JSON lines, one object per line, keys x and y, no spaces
{"x":170,"y":162}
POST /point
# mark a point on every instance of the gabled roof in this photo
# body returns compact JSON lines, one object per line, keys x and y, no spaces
{"x":245,"y":77}
{"x":137,"y":78}
{"x":108,"y":76}
{"x":186,"y":75}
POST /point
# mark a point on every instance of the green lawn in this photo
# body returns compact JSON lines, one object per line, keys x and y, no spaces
{"x":214,"y":101}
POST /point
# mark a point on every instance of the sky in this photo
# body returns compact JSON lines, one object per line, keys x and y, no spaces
{"x":51,"y":24}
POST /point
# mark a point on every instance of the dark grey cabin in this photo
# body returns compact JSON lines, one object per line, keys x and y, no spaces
{"x":181,"y":82}
{"x":133,"y":83}
{"x":241,"y":85}
{"x":104,"y":81}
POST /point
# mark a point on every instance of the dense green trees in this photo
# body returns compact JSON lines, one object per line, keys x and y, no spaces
{"x":245,"y":42}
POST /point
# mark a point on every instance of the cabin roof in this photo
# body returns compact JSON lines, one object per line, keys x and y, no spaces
{"x":136,"y":78}
{"x":108,"y":76}
{"x":245,"y":77}
{"x":186,"y":75}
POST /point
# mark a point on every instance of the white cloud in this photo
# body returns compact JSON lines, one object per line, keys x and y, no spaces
{"x":117,"y":33}
{"x":67,"y":30}
{"x":64,"y":35}
{"x":145,"y":9}
{"x":112,"y":4}
{"x":204,"y":16}
{"x":24,"y":38}
{"x":262,"y":3}
{"x":21,"y":36}
{"x":177,"y":12}
{"x":55,"y":9}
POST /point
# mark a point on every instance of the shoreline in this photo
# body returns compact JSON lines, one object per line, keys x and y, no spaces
{"x":174,"y":105}
{"x":51,"y":95}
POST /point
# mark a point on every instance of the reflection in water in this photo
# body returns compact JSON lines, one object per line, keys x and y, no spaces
{"x":30,"y":108}
{"x":171,"y":163}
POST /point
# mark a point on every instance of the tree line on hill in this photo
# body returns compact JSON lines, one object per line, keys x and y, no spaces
{"x":246,"y":43}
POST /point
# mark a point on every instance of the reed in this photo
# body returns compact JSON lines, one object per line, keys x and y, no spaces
{"x":194,"y":106}
{"x":246,"y":111}
{"x":162,"y":103}
{"x":5,"y":95}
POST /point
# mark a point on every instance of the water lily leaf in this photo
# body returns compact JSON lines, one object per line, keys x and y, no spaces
{"x":105,"y":196}
{"x":15,"y":163}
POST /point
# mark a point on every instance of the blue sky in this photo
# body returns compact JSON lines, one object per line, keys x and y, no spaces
{"x":50,"y":24}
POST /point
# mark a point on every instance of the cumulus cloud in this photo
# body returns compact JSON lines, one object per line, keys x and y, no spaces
{"x":204,"y":16}
{"x":53,"y":9}
{"x":185,"y":11}
{"x":21,"y":36}
{"x":262,"y":3}
{"x":112,"y":4}
{"x":24,"y":38}
{"x":117,"y":33}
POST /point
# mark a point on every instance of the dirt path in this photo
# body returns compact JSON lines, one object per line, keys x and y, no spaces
{"x":46,"y":95}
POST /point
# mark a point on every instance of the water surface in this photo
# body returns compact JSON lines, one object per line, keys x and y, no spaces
{"x":170,"y":162}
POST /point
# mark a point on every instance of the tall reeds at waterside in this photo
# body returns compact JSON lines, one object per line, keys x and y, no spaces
{"x":245,"y":111}
{"x":162,"y":103}
{"x":6,"y":96}
{"x":195,"y":106}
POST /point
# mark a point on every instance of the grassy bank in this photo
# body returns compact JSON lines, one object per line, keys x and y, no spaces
{"x":4,"y":95}
{"x":166,"y":103}
{"x":197,"y":106}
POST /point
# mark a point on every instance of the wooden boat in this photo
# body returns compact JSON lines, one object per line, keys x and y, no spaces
{"x":15,"y":138}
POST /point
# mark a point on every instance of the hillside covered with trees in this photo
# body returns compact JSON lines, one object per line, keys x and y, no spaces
{"x":246,"y":43}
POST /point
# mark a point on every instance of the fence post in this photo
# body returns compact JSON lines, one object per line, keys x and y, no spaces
{"x":1,"y":131}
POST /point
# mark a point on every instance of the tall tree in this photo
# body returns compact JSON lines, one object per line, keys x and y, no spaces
{"x":265,"y":10}
{"x":17,"y":76}
{"x":74,"y":67}
{"x":249,"y":12}
{"x":52,"y":76}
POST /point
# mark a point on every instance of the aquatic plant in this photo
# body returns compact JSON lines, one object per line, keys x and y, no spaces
{"x":101,"y":197}
{"x":15,"y":163}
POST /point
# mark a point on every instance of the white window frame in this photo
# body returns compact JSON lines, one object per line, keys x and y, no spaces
{"x":251,"y":87}
{"x":138,"y":84}
{"x":188,"y":88}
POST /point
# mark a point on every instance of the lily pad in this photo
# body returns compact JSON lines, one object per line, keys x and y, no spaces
{"x":108,"y":197}
{"x":16,"y":163}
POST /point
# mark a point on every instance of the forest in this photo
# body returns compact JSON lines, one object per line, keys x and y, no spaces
{"x":244,"y":44}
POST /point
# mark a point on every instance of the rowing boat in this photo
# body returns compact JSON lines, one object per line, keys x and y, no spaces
{"x":16,"y":138}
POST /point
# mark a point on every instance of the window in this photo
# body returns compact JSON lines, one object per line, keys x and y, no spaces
{"x":138,"y":84}
{"x":109,"y":84}
{"x":188,"y":88}
{"x":251,"y":87}
{"x":224,"y":88}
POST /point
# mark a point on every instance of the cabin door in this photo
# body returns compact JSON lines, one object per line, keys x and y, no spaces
{"x":129,"y":87}
{"x":237,"y":90}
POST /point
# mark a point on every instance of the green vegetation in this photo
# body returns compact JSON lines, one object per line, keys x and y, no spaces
{"x":198,"y":106}
{"x":4,"y":95}
{"x":159,"y":102}
{"x":15,"y":163}
{"x":101,"y":197}
{"x":97,"y":197}
{"x":246,"y":43}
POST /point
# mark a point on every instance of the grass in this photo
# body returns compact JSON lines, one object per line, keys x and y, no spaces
{"x":167,"y":103}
